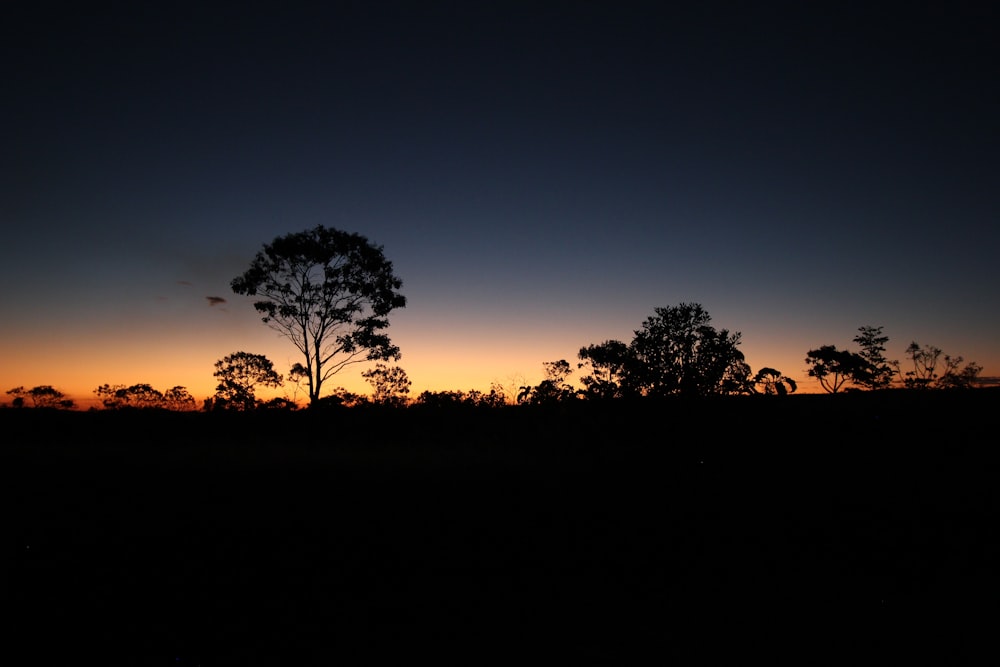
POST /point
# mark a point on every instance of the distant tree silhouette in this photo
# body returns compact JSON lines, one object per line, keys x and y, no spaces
{"x":340,"y":398}
{"x":880,"y":371}
{"x":42,"y":396}
{"x":112,"y":396}
{"x":924,"y":369}
{"x":834,"y":368}
{"x":118,"y":396}
{"x":553,"y":389}
{"x":144,"y":395}
{"x":178,"y":398}
{"x":772,"y":382}
{"x":609,"y":364}
{"x":330,"y":292}
{"x":390,"y":385}
{"x":495,"y":398}
{"x":277,"y":403}
{"x":239,"y":375}
{"x":441,"y":399}
{"x":957,"y":377}
{"x":677,"y":351}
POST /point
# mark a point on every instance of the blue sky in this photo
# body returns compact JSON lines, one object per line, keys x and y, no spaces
{"x":542,"y":175}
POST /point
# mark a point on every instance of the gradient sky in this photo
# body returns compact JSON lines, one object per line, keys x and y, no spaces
{"x":542,"y":176}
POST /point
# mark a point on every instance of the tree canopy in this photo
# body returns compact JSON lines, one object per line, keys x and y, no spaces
{"x":677,"y":351}
{"x":240,"y":373}
{"x":330,"y":292}
{"x":834,"y":368}
{"x":42,"y":396}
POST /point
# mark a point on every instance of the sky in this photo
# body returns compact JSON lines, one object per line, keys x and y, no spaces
{"x":542,"y":175}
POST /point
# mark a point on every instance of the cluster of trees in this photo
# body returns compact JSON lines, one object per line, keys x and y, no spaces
{"x":42,"y":396}
{"x":676,"y":351}
{"x":869,"y":369}
{"x":330,"y":293}
{"x":119,"y":396}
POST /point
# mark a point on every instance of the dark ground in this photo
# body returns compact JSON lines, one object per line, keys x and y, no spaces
{"x":821,"y":529}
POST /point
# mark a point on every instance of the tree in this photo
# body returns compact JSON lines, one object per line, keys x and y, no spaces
{"x":42,"y":396}
{"x":178,"y":398}
{"x":677,"y":351}
{"x":924,"y":372}
{"x":771,"y":382}
{"x":880,"y":370}
{"x":330,"y":292}
{"x":389,"y":384}
{"x":609,"y":364}
{"x":239,"y":375}
{"x":118,"y":396}
{"x":340,"y":398}
{"x":834,"y":368}
{"x":553,"y":389}
{"x":959,"y":378}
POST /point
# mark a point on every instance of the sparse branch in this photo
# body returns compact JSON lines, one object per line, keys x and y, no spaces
{"x":329,"y":292}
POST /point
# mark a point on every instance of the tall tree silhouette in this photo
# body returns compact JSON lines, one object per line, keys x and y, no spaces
{"x":880,"y":370}
{"x":330,"y":292}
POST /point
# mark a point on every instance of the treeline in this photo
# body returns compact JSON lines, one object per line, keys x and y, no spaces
{"x":676,"y":352}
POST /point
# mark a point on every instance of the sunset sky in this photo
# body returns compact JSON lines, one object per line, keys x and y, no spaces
{"x":541,"y":174}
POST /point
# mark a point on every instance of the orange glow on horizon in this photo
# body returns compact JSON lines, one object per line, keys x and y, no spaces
{"x":441,"y":358}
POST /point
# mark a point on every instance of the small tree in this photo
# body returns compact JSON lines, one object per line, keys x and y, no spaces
{"x":834,"y":368}
{"x":924,"y":369}
{"x":880,"y":370}
{"x":330,"y":292}
{"x":118,"y":396}
{"x":239,"y":375}
{"x":341,"y":398}
{"x":42,"y":396}
{"x":553,"y":389}
{"x":959,"y":378}
{"x":178,"y":398}
{"x":772,"y":382}
{"x":390,"y":385}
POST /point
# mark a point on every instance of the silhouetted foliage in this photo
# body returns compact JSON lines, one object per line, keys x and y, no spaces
{"x":771,"y":382}
{"x":834,"y":368}
{"x":178,"y":398}
{"x":924,"y":369}
{"x":880,"y":371}
{"x":553,"y":389}
{"x":42,"y":396}
{"x":609,"y":364}
{"x":677,"y":351}
{"x":239,"y":374}
{"x":390,"y":386}
{"x":329,"y":292}
{"x":495,"y":398}
{"x":277,"y":403}
{"x":340,"y":398}
{"x":118,"y":396}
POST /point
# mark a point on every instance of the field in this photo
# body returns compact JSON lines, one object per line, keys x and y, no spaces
{"x":749,"y":526}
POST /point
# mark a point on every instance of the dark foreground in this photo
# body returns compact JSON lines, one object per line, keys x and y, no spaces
{"x":825,"y":530}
